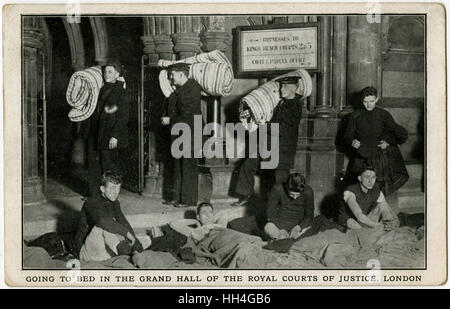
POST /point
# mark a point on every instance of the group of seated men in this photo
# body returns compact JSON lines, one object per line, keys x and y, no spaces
{"x":103,"y":230}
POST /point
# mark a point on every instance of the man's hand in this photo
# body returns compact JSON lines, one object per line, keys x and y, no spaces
{"x":112,"y":143}
{"x":165,"y":121}
{"x":295,"y":232}
{"x":356,"y":144}
{"x":383,"y":145}
{"x":131,"y":238}
{"x":283,"y":234}
{"x":390,"y":225}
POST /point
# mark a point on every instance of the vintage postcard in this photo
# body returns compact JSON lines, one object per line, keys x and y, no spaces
{"x":225,"y":145}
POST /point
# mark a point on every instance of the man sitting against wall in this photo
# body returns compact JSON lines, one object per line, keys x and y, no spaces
{"x":364,"y":204}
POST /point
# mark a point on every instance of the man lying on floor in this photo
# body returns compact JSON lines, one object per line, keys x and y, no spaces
{"x":210,"y":239}
{"x":103,"y":231}
{"x":364,"y":204}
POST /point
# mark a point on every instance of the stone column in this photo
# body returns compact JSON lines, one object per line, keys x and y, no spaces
{"x":157,"y":45}
{"x":216,"y":173}
{"x":148,"y":39}
{"x":323,"y":107}
{"x":363,"y":56}
{"x":162,"y":40}
{"x":32,"y":183}
{"x":186,"y":37}
{"x":99,"y":30}
{"x":323,"y":160}
{"x":77,"y":53}
{"x":339,"y":79}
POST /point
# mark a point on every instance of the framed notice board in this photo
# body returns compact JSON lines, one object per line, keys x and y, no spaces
{"x":270,"y":50}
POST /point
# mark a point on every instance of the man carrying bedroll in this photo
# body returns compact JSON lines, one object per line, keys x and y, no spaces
{"x":184,"y":105}
{"x":107,"y":128}
{"x":287,"y":114}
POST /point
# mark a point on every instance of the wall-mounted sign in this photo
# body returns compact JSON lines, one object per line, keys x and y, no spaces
{"x":275,"y":49}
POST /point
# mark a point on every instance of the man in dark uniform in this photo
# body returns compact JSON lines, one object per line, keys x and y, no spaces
{"x":287,"y":114}
{"x":108,"y":127}
{"x":184,"y":105}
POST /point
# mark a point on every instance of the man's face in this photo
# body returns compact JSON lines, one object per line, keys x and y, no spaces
{"x":288,"y":91}
{"x":206,"y":215}
{"x":370,"y":102}
{"x":111,"y":75}
{"x":111,"y":191}
{"x":176,"y":78}
{"x":367,"y":179}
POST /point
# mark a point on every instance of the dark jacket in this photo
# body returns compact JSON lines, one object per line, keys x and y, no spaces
{"x":371,"y":127}
{"x":107,"y":215}
{"x":113,"y":109}
{"x":286,"y":212}
{"x":184,"y":103}
{"x":287,"y":114}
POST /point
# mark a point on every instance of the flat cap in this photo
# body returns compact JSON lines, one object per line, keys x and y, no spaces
{"x":179,"y":67}
{"x":288,"y":80}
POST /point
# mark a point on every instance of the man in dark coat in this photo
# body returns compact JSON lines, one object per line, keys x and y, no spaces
{"x":103,"y":231}
{"x":107,"y":128}
{"x":287,"y":114}
{"x":374,"y":137}
{"x":184,"y":105}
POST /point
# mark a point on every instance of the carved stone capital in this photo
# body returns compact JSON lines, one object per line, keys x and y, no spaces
{"x":33,"y":38}
{"x":186,"y":42}
{"x":215,"y":40}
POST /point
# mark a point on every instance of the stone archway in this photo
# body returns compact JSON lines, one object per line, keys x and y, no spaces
{"x":75,"y":36}
{"x":100,"y":33}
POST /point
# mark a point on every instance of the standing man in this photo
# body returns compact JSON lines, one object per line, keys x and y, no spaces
{"x":287,"y":114}
{"x":107,"y":129}
{"x":184,"y":105}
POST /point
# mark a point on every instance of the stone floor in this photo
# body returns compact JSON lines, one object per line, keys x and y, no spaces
{"x":61,"y":210}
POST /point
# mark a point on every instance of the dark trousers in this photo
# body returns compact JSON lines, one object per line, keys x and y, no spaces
{"x":186,"y":180}
{"x":94,"y":169}
{"x":110,"y":160}
{"x":98,"y":163}
{"x":246,"y":179}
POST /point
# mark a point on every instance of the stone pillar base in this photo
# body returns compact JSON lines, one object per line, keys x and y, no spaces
{"x":153,"y":186}
{"x":215,"y":183}
{"x":32,"y":191}
{"x":322,"y":171}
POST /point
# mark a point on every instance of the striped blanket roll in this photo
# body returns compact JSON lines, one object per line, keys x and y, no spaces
{"x":82,"y":92}
{"x":212,"y":71}
{"x":262,"y":101}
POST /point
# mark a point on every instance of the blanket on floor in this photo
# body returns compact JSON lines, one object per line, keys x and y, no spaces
{"x":225,"y":248}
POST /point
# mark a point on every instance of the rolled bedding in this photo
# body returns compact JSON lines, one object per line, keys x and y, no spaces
{"x":82,"y":92}
{"x":257,"y":107}
{"x":212,"y":71}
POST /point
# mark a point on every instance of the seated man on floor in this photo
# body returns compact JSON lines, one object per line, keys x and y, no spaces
{"x":364,"y":204}
{"x":290,"y":209}
{"x":198,"y":228}
{"x":289,"y":212}
{"x":210,"y":239}
{"x":103,"y":231}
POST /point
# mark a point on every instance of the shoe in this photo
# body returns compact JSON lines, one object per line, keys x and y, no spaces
{"x":182,"y":205}
{"x":166,"y":202}
{"x":241,"y":202}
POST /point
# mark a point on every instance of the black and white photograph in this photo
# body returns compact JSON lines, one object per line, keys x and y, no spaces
{"x":180,"y":145}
